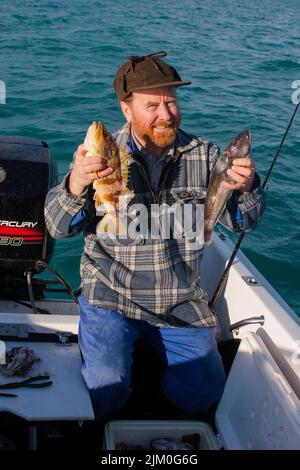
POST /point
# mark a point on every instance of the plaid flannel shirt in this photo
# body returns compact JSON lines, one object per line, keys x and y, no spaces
{"x":157,"y":280}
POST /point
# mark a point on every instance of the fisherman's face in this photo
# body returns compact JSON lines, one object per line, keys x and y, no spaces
{"x":154,"y":116}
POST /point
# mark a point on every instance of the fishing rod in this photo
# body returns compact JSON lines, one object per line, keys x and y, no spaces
{"x":223,"y":279}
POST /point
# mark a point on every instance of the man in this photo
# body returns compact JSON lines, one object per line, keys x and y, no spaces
{"x":149,"y":287}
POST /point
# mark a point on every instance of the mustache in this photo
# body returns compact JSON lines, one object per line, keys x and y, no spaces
{"x":167,"y":124}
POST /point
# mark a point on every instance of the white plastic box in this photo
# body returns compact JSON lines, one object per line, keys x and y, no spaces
{"x":259,"y":410}
{"x":143,"y":432}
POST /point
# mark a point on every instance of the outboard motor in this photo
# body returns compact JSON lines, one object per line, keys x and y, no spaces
{"x":27,"y":172}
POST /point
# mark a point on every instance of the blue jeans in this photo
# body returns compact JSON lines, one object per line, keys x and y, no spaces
{"x":193,"y":377}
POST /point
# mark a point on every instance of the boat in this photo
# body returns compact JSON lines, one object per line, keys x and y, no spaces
{"x":258,"y":337}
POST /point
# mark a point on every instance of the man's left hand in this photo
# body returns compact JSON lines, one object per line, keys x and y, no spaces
{"x":242,"y":171}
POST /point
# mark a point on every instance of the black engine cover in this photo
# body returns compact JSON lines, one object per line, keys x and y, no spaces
{"x":27,"y":172}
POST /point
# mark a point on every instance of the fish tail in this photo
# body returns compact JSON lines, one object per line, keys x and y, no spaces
{"x":208,"y":232}
{"x":208,"y":237}
{"x":111,"y":223}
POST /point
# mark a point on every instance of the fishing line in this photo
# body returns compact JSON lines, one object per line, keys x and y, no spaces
{"x":223,"y":279}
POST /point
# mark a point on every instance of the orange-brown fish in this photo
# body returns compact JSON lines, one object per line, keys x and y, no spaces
{"x":111,"y":192}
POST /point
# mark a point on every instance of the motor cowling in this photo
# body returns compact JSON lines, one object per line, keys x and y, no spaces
{"x":27,"y":172}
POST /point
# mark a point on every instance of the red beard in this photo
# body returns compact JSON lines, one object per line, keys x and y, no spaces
{"x":159,"y":138}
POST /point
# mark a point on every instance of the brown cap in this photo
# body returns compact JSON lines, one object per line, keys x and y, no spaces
{"x":144,"y":73}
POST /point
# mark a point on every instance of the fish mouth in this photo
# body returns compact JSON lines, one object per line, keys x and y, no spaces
{"x":245,"y":135}
{"x":240,"y":146}
{"x":248,"y":134}
{"x":245,"y":141}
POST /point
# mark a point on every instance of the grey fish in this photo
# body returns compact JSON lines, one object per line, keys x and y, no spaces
{"x":170,"y":443}
{"x":217,"y":195}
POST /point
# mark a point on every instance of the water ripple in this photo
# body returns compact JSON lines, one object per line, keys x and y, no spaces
{"x":58,"y":60}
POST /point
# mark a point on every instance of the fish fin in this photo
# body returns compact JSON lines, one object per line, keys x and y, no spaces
{"x":125,"y":198}
{"x":124,"y":160}
{"x":127,"y":194}
{"x":98,"y":202}
{"x":111,"y":223}
{"x":100,"y":207}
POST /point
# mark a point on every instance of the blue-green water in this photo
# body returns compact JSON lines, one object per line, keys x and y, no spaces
{"x":58,"y":60}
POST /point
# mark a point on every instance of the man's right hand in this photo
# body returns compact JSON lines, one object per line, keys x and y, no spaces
{"x":84,"y":170}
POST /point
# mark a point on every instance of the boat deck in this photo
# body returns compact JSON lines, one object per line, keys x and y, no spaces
{"x":147,"y":401}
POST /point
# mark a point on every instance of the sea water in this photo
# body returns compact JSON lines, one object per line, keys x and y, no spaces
{"x":57,"y":64}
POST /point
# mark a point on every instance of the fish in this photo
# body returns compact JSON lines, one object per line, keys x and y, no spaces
{"x":217,"y":195}
{"x":111,"y":192}
{"x":18,"y":361}
{"x":170,"y":443}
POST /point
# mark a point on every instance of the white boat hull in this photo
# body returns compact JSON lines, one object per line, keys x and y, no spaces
{"x":278,"y":329}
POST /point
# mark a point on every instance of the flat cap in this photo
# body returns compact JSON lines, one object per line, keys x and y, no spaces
{"x":144,"y":73}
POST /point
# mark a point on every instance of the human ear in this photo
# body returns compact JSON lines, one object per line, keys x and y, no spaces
{"x":126,"y":110}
